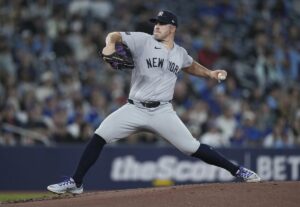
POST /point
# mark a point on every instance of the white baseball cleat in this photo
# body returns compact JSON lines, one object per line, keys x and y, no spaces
{"x":247,"y":175}
{"x":68,"y":185}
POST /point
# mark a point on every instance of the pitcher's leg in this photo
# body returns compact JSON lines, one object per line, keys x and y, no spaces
{"x":211,"y":156}
{"x":121,"y":123}
{"x":88,"y":158}
{"x":169,"y":126}
{"x":117,"y":125}
{"x":90,"y":155}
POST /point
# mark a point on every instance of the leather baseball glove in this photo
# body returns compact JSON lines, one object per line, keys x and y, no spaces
{"x":121,"y":59}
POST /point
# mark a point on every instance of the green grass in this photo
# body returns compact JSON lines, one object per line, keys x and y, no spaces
{"x":10,"y":197}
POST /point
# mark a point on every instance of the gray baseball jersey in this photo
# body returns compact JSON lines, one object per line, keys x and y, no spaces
{"x":153,"y":79}
{"x":156,"y":68}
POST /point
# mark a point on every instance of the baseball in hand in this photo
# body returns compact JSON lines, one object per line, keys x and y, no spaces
{"x":221,"y":76}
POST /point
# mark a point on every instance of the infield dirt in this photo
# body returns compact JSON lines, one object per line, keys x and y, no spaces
{"x":265,"y":194}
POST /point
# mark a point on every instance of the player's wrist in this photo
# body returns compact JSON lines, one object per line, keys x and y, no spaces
{"x":210,"y":74}
{"x":112,"y":38}
{"x":109,"y":49}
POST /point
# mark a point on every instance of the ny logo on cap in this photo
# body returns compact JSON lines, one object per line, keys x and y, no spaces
{"x":160,"y":13}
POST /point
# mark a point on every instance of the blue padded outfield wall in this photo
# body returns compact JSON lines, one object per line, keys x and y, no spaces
{"x":119,"y":167}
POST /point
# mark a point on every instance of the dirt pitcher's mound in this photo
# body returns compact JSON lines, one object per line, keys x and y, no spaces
{"x":275,"y":194}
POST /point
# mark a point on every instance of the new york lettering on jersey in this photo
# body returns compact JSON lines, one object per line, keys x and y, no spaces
{"x":156,"y":67}
{"x":159,"y":63}
{"x":155,"y":62}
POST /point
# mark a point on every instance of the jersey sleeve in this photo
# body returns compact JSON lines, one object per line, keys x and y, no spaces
{"x":187,"y":59}
{"x":134,"y":40}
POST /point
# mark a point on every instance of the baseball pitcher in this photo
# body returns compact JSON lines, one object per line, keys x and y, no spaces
{"x":155,"y":61}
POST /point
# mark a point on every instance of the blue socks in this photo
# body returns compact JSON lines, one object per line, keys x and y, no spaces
{"x":88,"y":158}
{"x":211,"y":156}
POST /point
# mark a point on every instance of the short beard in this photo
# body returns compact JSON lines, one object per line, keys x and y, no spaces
{"x":159,"y":40}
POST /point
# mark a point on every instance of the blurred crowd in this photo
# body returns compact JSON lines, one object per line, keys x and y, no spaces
{"x":54,"y":87}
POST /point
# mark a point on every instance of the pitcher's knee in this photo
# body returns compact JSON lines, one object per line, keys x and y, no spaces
{"x":102,"y":133}
{"x":190,"y":148}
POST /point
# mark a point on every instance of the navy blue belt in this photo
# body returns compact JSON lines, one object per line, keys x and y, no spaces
{"x":147,"y":104}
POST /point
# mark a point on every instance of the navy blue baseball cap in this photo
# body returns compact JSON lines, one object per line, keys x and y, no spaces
{"x":166,"y":17}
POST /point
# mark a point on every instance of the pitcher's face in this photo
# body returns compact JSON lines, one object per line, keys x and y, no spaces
{"x":162,"y":31}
